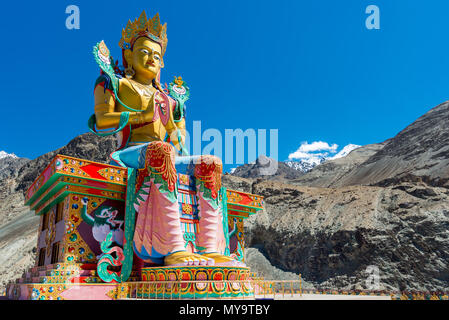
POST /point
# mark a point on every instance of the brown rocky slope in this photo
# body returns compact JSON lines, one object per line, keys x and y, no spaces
{"x":331,"y":236}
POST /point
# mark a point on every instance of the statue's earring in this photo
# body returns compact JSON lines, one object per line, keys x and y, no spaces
{"x":129,"y":72}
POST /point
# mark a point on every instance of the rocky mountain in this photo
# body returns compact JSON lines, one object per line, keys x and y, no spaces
{"x":9,"y":164}
{"x":10,"y":204}
{"x":331,"y":172}
{"x":281,"y":169}
{"x":268,"y":169}
{"x":303,"y":165}
{"x":332,"y":236}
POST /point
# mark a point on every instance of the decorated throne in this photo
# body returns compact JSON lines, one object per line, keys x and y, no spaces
{"x":71,"y":262}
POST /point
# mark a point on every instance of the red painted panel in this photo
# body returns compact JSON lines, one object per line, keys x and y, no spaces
{"x":92,"y":170}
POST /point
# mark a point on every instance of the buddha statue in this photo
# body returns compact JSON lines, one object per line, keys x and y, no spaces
{"x":149,"y":123}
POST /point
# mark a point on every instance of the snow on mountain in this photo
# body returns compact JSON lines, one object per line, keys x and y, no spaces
{"x":345,"y":151}
{"x":305,"y":164}
{"x":310,"y":160}
{"x":4,"y":154}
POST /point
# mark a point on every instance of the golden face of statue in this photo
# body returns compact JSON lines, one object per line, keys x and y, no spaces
{"x":145,"y":58}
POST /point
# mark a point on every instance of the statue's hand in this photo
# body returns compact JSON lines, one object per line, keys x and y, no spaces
{"x":148,"y":112}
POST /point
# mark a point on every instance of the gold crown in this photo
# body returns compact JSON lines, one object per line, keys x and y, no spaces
{"x":151,"y":28}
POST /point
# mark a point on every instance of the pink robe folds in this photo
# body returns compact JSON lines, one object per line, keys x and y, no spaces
{"x":166,"y":222}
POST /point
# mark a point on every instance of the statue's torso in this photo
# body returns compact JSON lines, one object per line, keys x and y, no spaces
{"x":141,"y":97}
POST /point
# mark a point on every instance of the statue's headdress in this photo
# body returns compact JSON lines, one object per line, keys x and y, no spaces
{"x":150,"y":28}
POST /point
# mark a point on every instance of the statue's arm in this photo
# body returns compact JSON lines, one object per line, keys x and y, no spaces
{"x":106,"y":113}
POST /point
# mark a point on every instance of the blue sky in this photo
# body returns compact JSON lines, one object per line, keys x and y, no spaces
{"x":310,"y":69}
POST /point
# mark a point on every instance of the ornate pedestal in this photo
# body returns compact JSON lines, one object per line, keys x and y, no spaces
{"x":69,"y":249}
{"x":194,"y":283}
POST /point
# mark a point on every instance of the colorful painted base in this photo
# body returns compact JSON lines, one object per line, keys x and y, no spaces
{"x":187,"y":283}
{"x":64,"y":281}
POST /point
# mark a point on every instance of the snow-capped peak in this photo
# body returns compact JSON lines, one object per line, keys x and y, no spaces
{"x":4,"y":154}
{"x":305,"y":165}
{"x":345,"y":151}
{"x":308,"y":160}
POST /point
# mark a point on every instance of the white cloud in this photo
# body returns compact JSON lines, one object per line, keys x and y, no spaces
{"x":317,"y":146}
{"x":316,"y":151}
{"x":298,"y":155}
{"x":313,"y":152}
